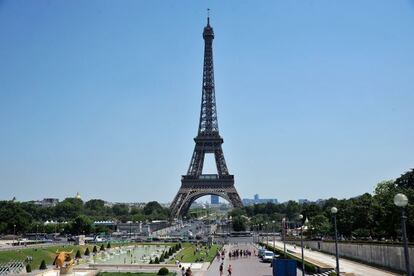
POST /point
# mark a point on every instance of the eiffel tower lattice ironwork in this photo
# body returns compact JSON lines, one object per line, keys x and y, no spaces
{"x":195,"y":184}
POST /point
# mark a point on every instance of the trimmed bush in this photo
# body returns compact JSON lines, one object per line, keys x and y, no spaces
{"x":28,"y":268}
{"x":162,"y":258}
{"x":156,"y":261}
{"x":151,"y":262}
{"x":163,"y":271}
{"x":78,"y":255}
{"x":95,"y":250}
{"x":87,"y":253}
{"x":108,"y":245}
{"x":102,"y":248}
{"x":42,"y":265}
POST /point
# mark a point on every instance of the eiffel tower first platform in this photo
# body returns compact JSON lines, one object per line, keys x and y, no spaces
{"x":195,"y":184}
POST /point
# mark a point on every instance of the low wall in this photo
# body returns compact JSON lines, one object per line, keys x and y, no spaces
{"x":385,"y":255}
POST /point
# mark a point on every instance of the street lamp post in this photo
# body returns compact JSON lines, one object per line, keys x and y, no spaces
{"x":267,"y":234}
{"x":254,"y":233}
{"x":301,"y":241}
{"x":334,"y":210}
{"x":401,"y":201}
{"x":273,"y":234}
{"x":283,"y":236}
{"x":260,"y":238}
{"x":14,"y":232}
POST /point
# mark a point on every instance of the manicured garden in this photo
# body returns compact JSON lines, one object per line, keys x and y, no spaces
{"x":192,"y":253}
{"x":47,"y":253}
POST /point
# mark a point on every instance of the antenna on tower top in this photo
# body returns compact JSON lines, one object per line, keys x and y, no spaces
{"x":208,"y":17}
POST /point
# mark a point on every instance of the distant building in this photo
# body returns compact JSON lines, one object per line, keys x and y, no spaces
{"x":130,"y":205}
{"x":47,"y":202}
{"x":257,"y":200}
{"x":320,"y":201}
{"x":214,"y":199}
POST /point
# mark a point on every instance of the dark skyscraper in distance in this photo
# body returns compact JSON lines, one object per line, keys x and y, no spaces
{"x":214,"y":199}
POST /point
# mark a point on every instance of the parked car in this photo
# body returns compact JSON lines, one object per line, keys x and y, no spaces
{"x":268,"y":256}
{"x":261,"y":252}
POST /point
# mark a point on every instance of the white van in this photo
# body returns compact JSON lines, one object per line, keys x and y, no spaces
{"x":268,"y":256}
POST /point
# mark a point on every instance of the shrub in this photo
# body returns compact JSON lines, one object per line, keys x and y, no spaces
{"x":78,"y":255}
{"x":163,"y":271}
{"x":28,"y":268}
{"x":151,"y":262}
{"x":108,"y":245}
{"x":156,"y":261}
{"x":162,"y":258}
{"x":87,"y":253}
{"x":94,"y":250}
{"x":102,"y":248}
{"x":170,"y":251}
{"x":311,"y":268}
{"x":43,"y":265}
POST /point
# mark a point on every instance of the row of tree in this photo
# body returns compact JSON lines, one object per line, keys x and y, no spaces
{"x":74,"y":216}
{"x":367,"y":216}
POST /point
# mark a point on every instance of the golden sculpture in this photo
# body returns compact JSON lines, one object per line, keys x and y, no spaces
{"x":64,"y":261}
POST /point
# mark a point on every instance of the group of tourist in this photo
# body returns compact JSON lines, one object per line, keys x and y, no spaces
{"x":186,"y":272}
{"x":239,"y":253}
{"x":221,"y":255}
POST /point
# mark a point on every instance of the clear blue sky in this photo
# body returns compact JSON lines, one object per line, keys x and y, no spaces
{"x":315,"y":98}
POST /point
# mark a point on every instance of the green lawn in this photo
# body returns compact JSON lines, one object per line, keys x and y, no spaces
{"x":41,"y":253}
{"x":49,"y":253}
{"x":189,"y":255}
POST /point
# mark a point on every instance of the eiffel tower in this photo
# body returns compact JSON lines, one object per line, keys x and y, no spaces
{"x":195,"y":184}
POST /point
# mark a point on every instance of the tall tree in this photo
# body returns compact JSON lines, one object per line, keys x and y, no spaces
{"x":406,"y":181}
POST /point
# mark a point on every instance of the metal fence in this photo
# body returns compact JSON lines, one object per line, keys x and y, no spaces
{"x":11,"y":267}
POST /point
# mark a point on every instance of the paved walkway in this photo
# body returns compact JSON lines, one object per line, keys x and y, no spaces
{"x":345,"y":265}
{"x":242,"y":266}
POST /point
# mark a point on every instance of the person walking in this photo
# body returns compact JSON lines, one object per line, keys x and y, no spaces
{"x":221,"y":269}
{"x":229,"y":270}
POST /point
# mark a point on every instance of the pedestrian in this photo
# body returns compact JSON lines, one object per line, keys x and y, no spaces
{"x":183,"y":271}
{"x":188,"y":272}
{"x":229,"y":270}
{"x":221,"y":269}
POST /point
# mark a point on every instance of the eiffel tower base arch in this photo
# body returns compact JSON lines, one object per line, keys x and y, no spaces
{"x":187,"y":194}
